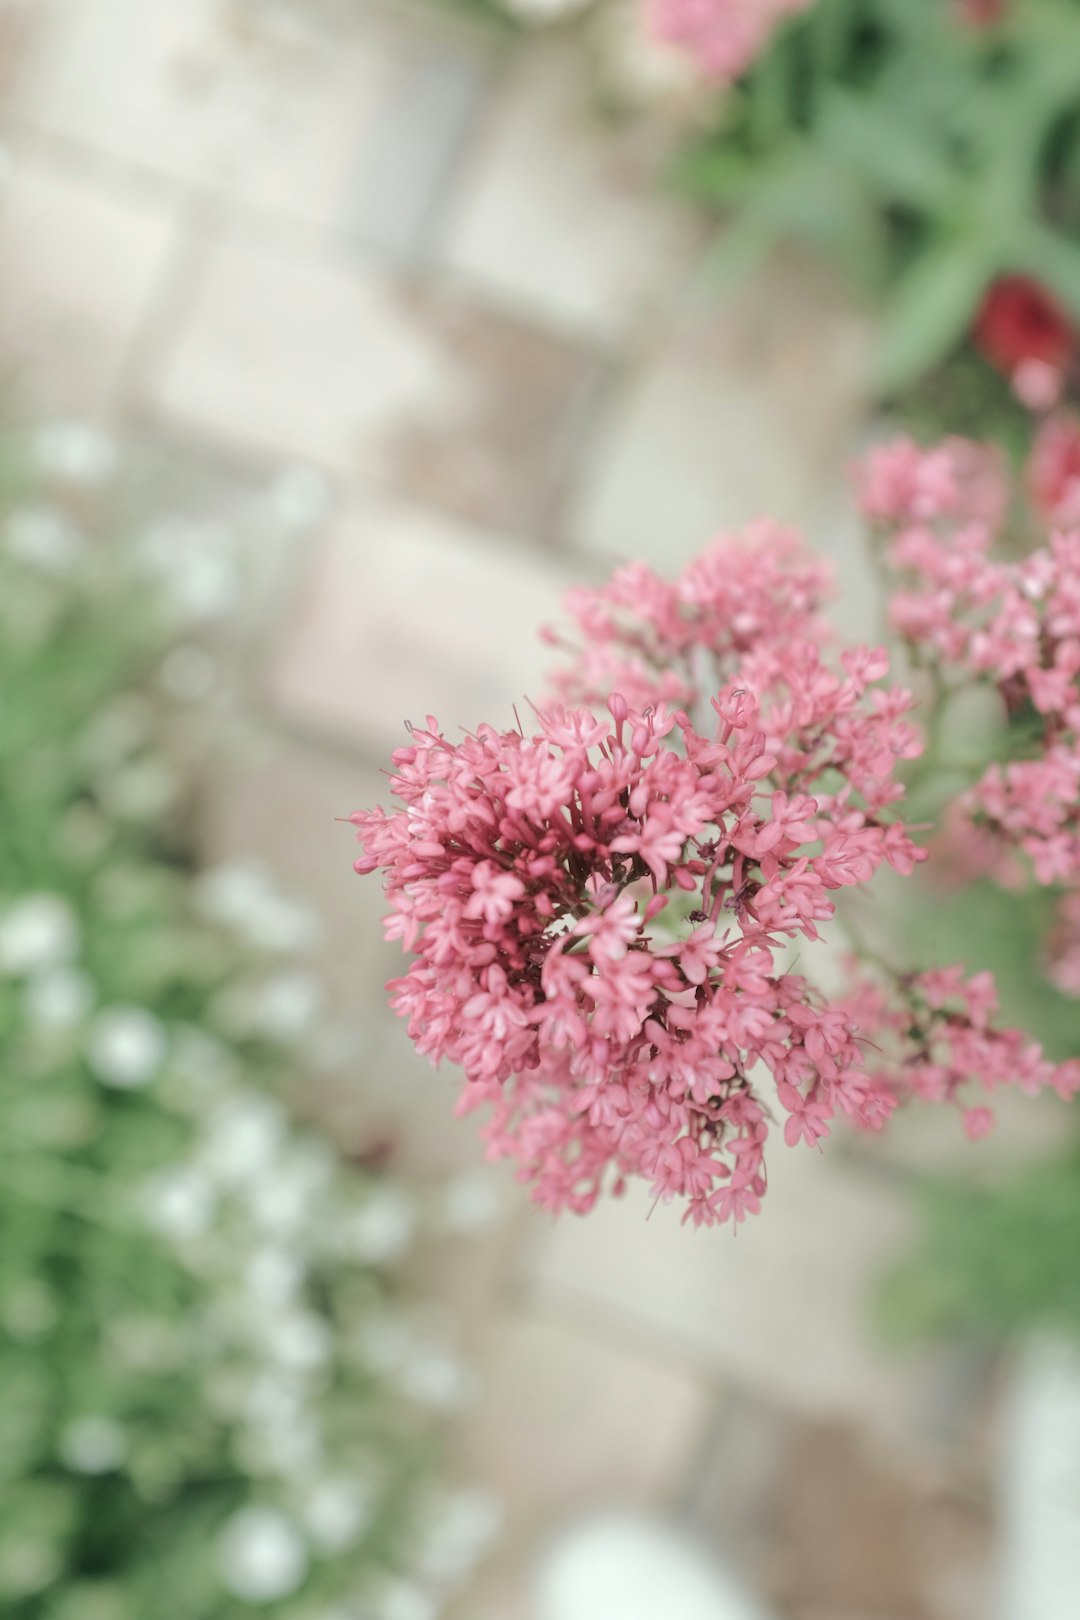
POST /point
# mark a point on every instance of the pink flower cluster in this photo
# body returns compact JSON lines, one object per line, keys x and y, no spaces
{"x":724,"y":36}
{"x":936,"y":1039}
{"x":1012,"y":623}
{"x":597,"y":913}
{"x":600,"y":913}
{"x":734,"y":611}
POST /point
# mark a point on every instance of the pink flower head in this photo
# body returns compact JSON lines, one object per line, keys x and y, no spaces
{"x":732,"y":610}
{"x":724,"y":36}
{"x":597,"y":914}
{"x":1054,"y":469}
{"x":1013,"y":625}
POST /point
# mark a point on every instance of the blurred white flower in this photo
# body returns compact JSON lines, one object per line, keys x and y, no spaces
{"x":459,"y":1529}
{"x":381,"y":1230}
{"x":286,"y":1200}
{"x":274,"y":1400}
{"x":337,"y":1511}
{"x":44,"y":537}
{"x":201,"y":1061}
{"x":116,"y":731}
{"x":296,"y":1339}
{"x":179,"y":1203}
{"x":404,"y":1600}
{"x":93,"y":1445}
{"x":646,"y":72}
{"x":261,"y":1556}
{"x":148,"y":1343}
{"x":126,"y":1046}
{"x":195,"y":563}
{"x":188,"y":673}
{"x":273,"y":1277}
{"x":293,"y":1454}
{"x":241,"y":895}
{"x":542,"y":11}
{"x":76,"y":451}
{"x":471,"y":1200}
{"x":287,"y":1005}
{"x":384,"y":1342}
{"x":434,"y":1377}
{"x":300,"y":497}
{"x":243,"y":1138}
{"x":140,"y":790}
{"x":58,"y":998}
{"x":38,"y":931}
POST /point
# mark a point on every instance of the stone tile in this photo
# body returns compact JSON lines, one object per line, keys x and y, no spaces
{"x":17,"y":18}
{"x":727,"y":420}
{"x":500,"y":1594}
{"x":567,"y":1422}
{"x":404,"y":613}
{"x":556,"y":215}
{"x":295,"y":109}
{"x":779,"y":1308}
{"x":286,"y":352}
{"x":80,"y":268}
{"x":503,"y":457}
{"x":290,"y":352}
{"x":851,"y":1535}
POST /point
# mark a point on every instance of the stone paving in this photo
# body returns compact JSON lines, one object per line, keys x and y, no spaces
{"x":396,"y":256}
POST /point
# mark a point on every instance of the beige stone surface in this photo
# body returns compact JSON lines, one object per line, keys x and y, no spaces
{"x":254,"y":102}
{"x":285,"y":350}
{"x":402,"y":613}
{"x":569,"y":1420}
{"x":558,"y":217}
{"x":727,"y":419}
{"x":80,"y":266}
{"x":290,"y":351}
{"x":779,"y":1307}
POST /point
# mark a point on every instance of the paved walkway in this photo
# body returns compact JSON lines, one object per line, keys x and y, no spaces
{"x":388,"y":267}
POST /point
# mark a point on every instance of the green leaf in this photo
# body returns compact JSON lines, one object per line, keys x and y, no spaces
{"x":932,"y":308}
{"x":891,"y":152}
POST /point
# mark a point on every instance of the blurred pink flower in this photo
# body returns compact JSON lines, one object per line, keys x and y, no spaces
{"x":1054,"y":469}
{"x":724,"y":36}
{"x":1014,"y":625}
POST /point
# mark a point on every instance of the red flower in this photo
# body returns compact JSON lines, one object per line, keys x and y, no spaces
{"x":1020,"y":321}
{"x":981,"y":13}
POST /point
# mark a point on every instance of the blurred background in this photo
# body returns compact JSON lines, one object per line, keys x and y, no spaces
{"x":363,"y":336}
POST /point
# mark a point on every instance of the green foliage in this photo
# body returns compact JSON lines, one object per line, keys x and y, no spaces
{"x":996,"y":1261}
{"x":202,"y":1358}
{"x":924,"y":156}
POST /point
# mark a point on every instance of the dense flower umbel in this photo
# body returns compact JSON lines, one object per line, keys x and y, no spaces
{"x":934,"y":1038}
{"x":724,"y":36}
{"x":599,"y":911}
{"x":733,"y":612}
{"x":1014,"y":625}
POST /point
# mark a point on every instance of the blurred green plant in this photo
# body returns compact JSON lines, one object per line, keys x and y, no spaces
{"x":998,"y":1259}
{"x":926,"y":157}
{"x":212,"y":1398}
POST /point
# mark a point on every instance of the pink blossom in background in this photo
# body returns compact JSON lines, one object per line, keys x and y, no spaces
{"x":931,"y":1039}
{"x":1012,"y":624}
{"x":1054,"y":469}
{"x":1063,"y":966}
{"x":981,"y":13}
{"x":735,"y":608}
{"x":724,"y":36}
